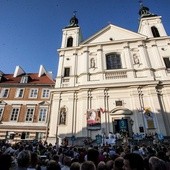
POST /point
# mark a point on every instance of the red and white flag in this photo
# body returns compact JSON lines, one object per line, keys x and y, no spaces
{"x":101,"y":110}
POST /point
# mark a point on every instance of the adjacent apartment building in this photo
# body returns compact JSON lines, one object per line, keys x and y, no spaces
{"x":25,"y":104}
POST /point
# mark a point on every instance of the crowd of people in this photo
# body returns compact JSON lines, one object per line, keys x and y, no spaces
{"x":34,"y":155}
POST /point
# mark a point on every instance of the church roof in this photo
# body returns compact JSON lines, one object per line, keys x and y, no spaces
{"x":113,"y":33}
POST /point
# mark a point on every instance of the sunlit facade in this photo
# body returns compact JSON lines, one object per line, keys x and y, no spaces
{"x":115,"y":81}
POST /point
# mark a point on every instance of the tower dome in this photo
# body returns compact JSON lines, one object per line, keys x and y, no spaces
{"x":73,"y":21}
{"x":144,"y":12}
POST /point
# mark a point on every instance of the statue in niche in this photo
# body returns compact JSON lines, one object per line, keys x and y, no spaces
{"x":92,"y":63}
{"x":62,"y":116}
{"x":136,"y":59}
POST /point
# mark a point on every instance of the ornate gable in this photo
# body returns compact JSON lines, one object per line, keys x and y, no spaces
{"x":113,"y":33}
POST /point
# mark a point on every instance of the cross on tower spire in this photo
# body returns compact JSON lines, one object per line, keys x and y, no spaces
{"x":74,"y":13}
{"x":141,"y":2}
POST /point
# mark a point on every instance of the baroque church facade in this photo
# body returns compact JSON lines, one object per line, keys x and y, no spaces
{"x":115,"y":81}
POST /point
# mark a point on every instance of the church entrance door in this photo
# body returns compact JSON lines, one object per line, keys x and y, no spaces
{"x":120,"y":126}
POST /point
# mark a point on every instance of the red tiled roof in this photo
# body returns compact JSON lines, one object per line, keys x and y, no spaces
{"x":33,"y":79}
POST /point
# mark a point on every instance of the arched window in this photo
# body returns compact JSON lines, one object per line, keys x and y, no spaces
{"x":155,"y":31}
{"x":70,"y":42}
{"x":113,"y":61}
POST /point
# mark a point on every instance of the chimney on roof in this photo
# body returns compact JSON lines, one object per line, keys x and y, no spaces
{"x":18,"y":71}
{"x":42,"y":71}
{"x":1,"y":75}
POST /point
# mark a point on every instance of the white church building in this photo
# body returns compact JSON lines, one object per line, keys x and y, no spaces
{"x":115,"y":81}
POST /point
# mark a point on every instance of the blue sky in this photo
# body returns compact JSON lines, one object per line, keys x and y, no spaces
{"x":31,"y":30}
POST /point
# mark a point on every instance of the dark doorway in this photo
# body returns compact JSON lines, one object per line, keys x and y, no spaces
{"x":23,"y":135}
{"x":121,"y":126}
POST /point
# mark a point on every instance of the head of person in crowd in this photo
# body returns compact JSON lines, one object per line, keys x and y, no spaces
{"x":156,"y":163}
{"x":24,"y":159}
{"x":101,"y":166}
{"x":5,"y":161}
{"x":34,"y":160}
{"x":75,"y":166}
{"x":133,"y":161}
{"x":118,"y":163}
{"x":67,"y":161}
{"x":109,"y":164}
{"x":56,"y":158}
{"x":88,"y":165}
{"x":53,"y":165}
{"x":162,"y":155}
{"x":93,"y":155}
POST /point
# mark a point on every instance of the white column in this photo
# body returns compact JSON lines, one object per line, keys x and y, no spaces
{"x":144,"y":56}
{"x":161,"y":28}
{"x":136,"y":95}
{"x":99,"y":58}
{"x":158,"y":63}
{"x":60,"y":71}
{"x":86,"y":65}
{"x":64,"y":39}
{"x":100,"y":63}
{"x":128,"y":58}
{"x":75,"y":68}
{"x":128,"y":62}
{"x":165,"y":97}
{"x":145,"y":60}
{"x":156,"y":56}
{"x":54,"y":118}
{"x":157,"y":109}
{"x":82,"y":106}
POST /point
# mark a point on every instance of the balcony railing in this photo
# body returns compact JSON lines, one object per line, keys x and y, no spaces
{"x":65,"y":79}
{"x":116,"y":75}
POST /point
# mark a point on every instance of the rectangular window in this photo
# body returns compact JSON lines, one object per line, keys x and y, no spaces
{"x":24,"y":79}
{"x":4,"y":93}
{"x":167,"y":62}
{"x":119,"y":103}
{"x":33,"y":93}
{"x":45,"y":93}
{"x":19,"y":93}
{"x":29,"y":115}
{"x":14,"y":114}
{"x":113,"y":61}
{"x":66,"y":72}
{"x":42,"y":114}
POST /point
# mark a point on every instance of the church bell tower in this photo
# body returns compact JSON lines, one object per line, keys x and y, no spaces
{"x":150,"y":24}
{"x":71,"y":34}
